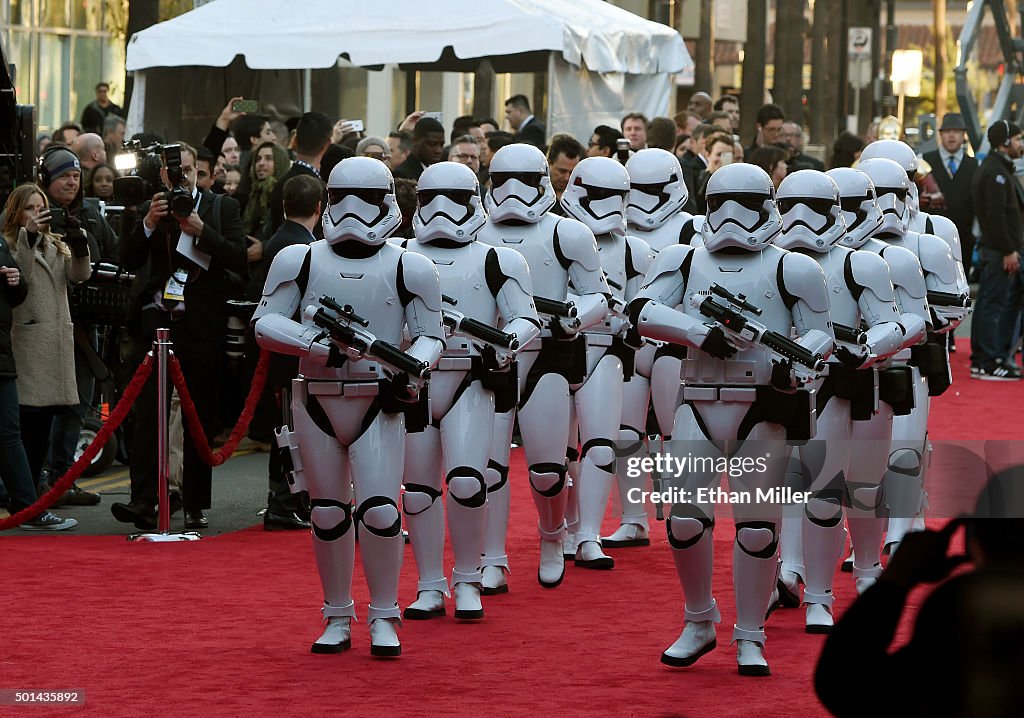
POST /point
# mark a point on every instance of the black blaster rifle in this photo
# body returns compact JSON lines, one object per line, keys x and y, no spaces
{"x":745,"y":332}
{"x":348,"y":329}
{"x":850,"y":335}
{"x":949,"y":299}
{"x":459,"y":323}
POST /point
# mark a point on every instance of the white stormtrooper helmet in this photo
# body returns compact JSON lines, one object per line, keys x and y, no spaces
{"x":859,"y":204}
{"x":596,"y":195}
{"x":891,"y":187}
{"x":656,"y":188}
{"x":741,"y":209}
{"x":361,"y":202}
{"x":448,"y":204}
{"x":811,"y":218}
{"x":902,"y":154}
{"x":520,"y":186}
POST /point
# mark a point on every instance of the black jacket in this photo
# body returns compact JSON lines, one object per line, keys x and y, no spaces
{"x":997,"y":202}
{"x":288,"y":233}
{"x":206,"y":291}
{"x":10,"y":297}
{"x":533,"y":134}
{"x":277,"y":201}
{"x":956,"y":190}
{"x":93,"y":116}
{"x":411,"y":168}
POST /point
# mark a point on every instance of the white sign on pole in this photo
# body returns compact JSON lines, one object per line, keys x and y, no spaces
{"x":859,"y":42}
{"x":907,"y":68}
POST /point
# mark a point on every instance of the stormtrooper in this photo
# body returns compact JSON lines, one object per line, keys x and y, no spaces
{"x":917,"y":221}
{"x":868,"y":331}
{"x":481,"y":285}
{"x":611,"y":404}
{"x":948,"y":304}
{"x":734,"y":302}
{"x":558,"y":250}
{"x":341,"y":305}
{"x":865,"y":513}
{"x":654,"y":214}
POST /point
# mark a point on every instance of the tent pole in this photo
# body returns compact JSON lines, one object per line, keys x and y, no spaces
{"x":307,"y":90}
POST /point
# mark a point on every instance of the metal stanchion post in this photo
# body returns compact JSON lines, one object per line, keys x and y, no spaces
{"x":162,"y":351}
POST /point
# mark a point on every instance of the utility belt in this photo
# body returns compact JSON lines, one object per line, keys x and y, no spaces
{"x":504,"y":383}
{"x":857,"y":386}
{"x":678,"y":351}
{"x":896,"y":388}
{"x":568,"y":359}
{"x":932,"y":359}
{"x":795,"y":412}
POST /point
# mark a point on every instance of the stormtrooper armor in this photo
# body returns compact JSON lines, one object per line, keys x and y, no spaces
{"x":654,"y":213}
{"x":348,"y":408}
{"x":917,"y":221}
{"x":866,"y":323}
{"x":558,"y":251}
{"x":929,"y":362}
{"x":611,"y":404}
{"x":484,"y":284}
{"x":735,"y":390}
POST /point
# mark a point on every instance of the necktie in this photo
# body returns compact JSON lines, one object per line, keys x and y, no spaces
{"x":952,"y":165}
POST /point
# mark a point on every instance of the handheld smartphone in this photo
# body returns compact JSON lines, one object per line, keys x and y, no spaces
{"x":726,"y":158}
{"x":622,"y":150}
{"x":57,"y":221}
{"x":246,"y":106}
{"x":355,"y":125}
{"x":434,"y":116}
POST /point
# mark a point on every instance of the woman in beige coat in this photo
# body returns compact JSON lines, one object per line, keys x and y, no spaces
{"x":42,"y":335}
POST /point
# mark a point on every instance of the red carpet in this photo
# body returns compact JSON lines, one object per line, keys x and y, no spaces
{"x":222,"y":627}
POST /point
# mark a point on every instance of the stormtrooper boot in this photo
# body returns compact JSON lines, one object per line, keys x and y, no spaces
{"x":590,"y":555}
{"x":627,"y":536}
{"x":697,"y":638}
{"x":467,"y":602}
{"x":384,"y":641}
{"x":552,"y":563}
{"x":428,"y":604}
{"x":750,"y":658}
{"x":337,"y":636}
{"x":494,"y":581}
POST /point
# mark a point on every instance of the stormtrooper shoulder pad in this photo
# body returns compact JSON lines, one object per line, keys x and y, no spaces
{"x":576,"y":243}
{"x":639,"y":256}
{"x":504,"y":264}
{"x":936,"y":258}
{"x":286,"y":267}
{"x":870,"y":271}
{"x":802,"y":278}
{"x":905,"y":270}
{"x":417,"y":276}
{"x":671,"y":260}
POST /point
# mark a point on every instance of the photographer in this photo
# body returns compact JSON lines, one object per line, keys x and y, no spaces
{"x":188,"y":239}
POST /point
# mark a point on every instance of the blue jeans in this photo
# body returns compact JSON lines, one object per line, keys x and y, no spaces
{"x":996,"y":310}
{"x":14,"y":467}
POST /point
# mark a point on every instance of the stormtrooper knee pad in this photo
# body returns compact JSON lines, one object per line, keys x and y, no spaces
{"x":502,"y":474}
{"x":905,"y":462}
{"x":331,"y":519}
{"x":686,"y":525}
{"x":758,"y":539}
{"x":548,"y":479}
{"x":630,"y":439}
{"x":467,"y":487}
{"x":865,"y":497}
{"x":601,"y":453}
{"x":824,"y":509}
{"x":418,"y":498}
{"x":903,"y":488}
{"x":379,"y":515}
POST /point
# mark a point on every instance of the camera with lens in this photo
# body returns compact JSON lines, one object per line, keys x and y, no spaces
{"x":139,"y":167}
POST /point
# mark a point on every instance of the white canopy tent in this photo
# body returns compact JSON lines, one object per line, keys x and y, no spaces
{"x":601,"y":60}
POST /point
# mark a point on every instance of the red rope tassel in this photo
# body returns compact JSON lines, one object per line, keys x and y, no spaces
{"x":131,"y":393}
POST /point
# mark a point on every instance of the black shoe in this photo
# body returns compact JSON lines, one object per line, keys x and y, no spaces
{"x":134,"y":512}
{"x":80,"y":497}
{"x":44,"y":488}
{"x":196,"y":520}
{"x":284,"y":522}
{"x":175,"y":502}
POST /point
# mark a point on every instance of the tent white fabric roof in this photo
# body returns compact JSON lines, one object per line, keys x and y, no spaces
{"x":301,"y":34}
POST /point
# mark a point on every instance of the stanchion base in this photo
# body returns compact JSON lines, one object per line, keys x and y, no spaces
{"x":165,"y":538}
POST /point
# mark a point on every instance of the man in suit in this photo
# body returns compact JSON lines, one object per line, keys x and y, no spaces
{"x":312,"y":137}
{"x":427,"y":146}
{"x":181,"y":265}
{"x":528,"y":128}
{"x":953,"y":170}
{"x":793,"y":135}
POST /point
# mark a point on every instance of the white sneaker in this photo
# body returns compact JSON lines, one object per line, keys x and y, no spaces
{"x":818,"y":619}
{"x":697,"y":638}
{"x":494,"y":580}
{"x":626,"y":536}
{"x":590,"y":555}
{"x":337,"y":636}
{"x":428,"y":604}
{"x":467,"y":602}
{"x":47,"y":521}
{"x":552,"y":563}
{"x":384,"y":638}
{"x":864,"y":583}
{"x":750,"y":659}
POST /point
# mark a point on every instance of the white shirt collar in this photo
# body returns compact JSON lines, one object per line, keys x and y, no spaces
{"x":525,"y":123}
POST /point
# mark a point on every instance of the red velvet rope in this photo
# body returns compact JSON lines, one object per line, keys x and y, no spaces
{"x":195,"y":426}
{"x":131,"y":393}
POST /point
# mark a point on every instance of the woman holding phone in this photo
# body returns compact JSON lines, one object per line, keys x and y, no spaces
{"x":42,"y":330}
